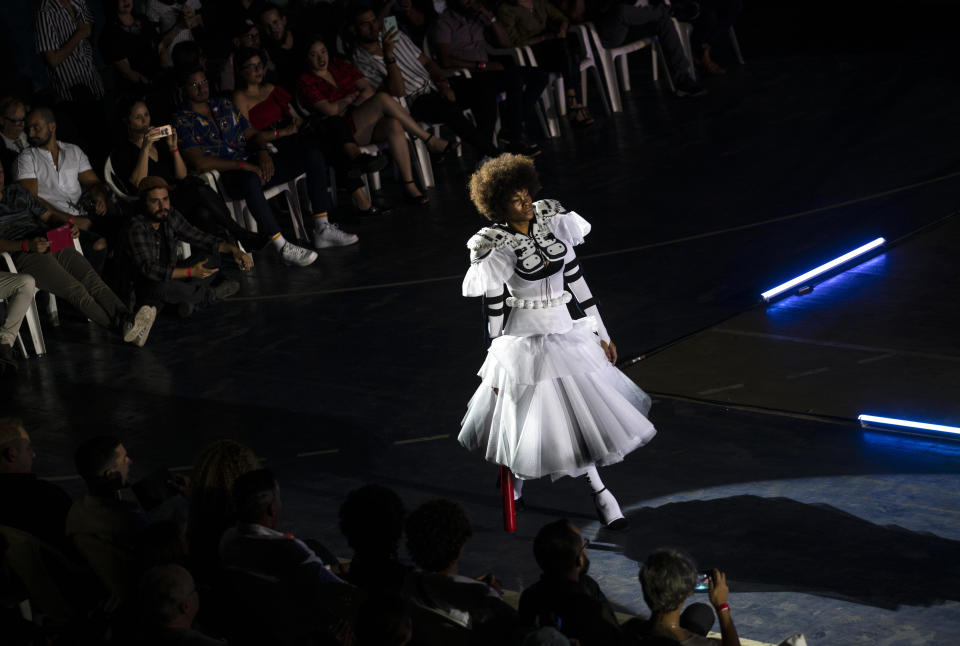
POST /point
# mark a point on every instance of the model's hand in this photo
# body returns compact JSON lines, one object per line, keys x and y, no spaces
{"x":610,"y":350}
{"x":200,"y":270}
{"x":718,"y":588}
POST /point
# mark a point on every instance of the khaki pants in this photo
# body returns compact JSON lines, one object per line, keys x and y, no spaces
{"x":17,"y":291}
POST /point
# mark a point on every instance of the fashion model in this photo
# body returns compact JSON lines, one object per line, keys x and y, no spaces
{"x":551,"y":402}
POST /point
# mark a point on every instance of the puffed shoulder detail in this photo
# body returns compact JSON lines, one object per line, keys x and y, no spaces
{"x":490,"y":267}
{"x":569,"y":226}
{"x":485,"y":239}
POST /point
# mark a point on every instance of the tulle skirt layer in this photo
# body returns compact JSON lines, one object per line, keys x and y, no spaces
{"x":553,"y":405}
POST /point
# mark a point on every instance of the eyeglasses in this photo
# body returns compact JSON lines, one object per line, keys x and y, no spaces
{"x":16,"y":121}
{"x":199,"y":84}
{"x":253,"y":66}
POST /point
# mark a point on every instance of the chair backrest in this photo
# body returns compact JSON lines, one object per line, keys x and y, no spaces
{"x":111,"y":179}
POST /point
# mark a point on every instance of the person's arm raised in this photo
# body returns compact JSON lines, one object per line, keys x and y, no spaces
{"x":718,"y":597}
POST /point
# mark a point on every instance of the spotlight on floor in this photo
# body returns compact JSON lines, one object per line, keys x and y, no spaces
{"x":906,"y":426}
{"x":770,"y":294}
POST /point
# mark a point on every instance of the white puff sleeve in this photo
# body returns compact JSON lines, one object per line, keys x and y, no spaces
{"x":490,"y":267}
{"x":569,"y":226}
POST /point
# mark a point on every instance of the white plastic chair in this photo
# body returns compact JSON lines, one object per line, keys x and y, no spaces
{"x":608,"y":59}
{"x":32,"y":318}
{"x":686,"y":29}
{"x":588,"y":62}
{"x":241,"y":213}
{"x":546,"y":109}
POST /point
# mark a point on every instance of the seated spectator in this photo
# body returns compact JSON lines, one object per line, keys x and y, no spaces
{"x":243,"y":35}
{"x":333,"y":87}
{"x":212,"y":509}
{"x":151,"y":248}
{"x":668,"y":578}
{"x":174,"y":21}
{"x":393,"y":63}
{"x":168,"y":603}
{"x":414,"y":17}
{"x":214,"y":136}
{"x":461,"y":44}
{"x":265,"y":563}
{"x":102,"y":525}
{"x":281,"y":43}
{"x":436,"y":533}
{"x":131,"y":45}
{"x":710,"y":27}
{"x":371,"y":519}
{"x":619,"y":22}
{"x":16,"y":290}
{"x":538,"y":24}
{"x":384,"y":620}
{"x":13,"y":117}
{"x":60,"y":176}
{"x":24,"y":223}
{"x":145,"y":152}
{"x":267,"y":107}
{"x":565,"y":596}
{"x":35,"y":506}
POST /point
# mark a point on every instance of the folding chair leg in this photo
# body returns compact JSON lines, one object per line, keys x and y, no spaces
{"x":735,"y":44}
{"x":625,"y":73}
{"x":36,"y":332}
{"x":598,"y":80}
{"x":613,"y":88}
{"x":658,"y":53}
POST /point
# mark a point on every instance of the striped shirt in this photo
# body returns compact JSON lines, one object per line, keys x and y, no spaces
{"x":416,"y":78}
{"x":52,"y":28}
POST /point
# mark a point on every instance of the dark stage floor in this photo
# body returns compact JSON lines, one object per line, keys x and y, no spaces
{"x":358,"y":368}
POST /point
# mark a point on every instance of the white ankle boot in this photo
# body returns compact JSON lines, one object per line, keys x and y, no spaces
{"x":609,"y":511}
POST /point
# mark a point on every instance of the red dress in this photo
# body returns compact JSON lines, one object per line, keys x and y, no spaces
{"x":272,"y":110}
{"x":312,"y":89}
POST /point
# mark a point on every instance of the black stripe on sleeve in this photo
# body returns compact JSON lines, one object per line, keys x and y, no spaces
{"x":590,"y":302}
{"x":574,"y":277}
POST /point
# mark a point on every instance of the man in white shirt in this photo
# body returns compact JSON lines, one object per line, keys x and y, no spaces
{"x":58,"y":174}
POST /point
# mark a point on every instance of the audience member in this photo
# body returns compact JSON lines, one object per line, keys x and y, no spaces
{"x":668,"y":578}
{"x":16,"y":290}
{"x":102,"y":525}
{"x":565,"y":596}
{"x":212,"y":509}
{"x":436,"y":534}
{"x":30,"y":504}
{"x":461,"y":44}
{"x":267,"y":107}
{"x":333,"y":87}
{"x":415,"y":17}
{"x":709,"y":27}
{"x":393,"y":63}
{"x":169,"y":602}
{"x":174,"y":21}
{"x":151,"y":242}
{"x":131,"y":45}
{"x":65,"y":273}
{"x":619,"y":22}
{"x":371,"y":519}
{"x":384,"y":620}
{"x":281,"y":43}
{"x":214,"y":136}
{"x":62,"y":32}
{"x":243,"y":35}
{"x":60,"y":176}
{"x":538,"y":24}
{"x":13,"y":113}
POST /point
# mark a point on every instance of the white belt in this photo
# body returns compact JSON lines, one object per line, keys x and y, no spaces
{"x":523,"y":304}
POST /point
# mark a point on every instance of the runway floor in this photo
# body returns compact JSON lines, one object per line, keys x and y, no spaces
{"x":358,"y":368}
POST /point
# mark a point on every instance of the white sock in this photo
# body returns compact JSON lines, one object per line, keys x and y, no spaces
{"x":517,"y":487}
{"x":278,"y":241}
{"x":593,"y":479}
{"x":320,"y":222}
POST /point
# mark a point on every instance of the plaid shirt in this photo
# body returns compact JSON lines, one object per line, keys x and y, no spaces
{"x":145,"y":244}
{"x":222,"y":137}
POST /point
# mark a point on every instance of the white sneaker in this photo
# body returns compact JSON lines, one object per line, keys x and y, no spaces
{"x":332,"y":236}
{"x":291,"y":254}
{"x":609,"y":510}
{"x":140,"y":325}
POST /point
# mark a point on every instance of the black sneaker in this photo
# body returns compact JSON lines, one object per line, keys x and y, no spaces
{"x":8,"y":364}
{"x":364,"y":163}
{"x":685,"y":11}
{"x":225,"y":289}
{"x":686,"y":86}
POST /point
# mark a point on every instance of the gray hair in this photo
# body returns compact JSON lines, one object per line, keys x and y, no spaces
{"x":668,"y":577}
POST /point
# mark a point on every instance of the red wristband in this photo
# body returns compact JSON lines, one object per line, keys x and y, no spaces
{"x":70,"y":220}
{"x":23,"y":244}
{"x":189,"y":272}
{"x":175,"y":150}
{"x":482,"y":65}
{"x":276,"y":133}
{"x":722,"y":607}
{"x":241,"y":164}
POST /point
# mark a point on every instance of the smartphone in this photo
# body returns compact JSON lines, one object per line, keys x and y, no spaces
{"x":703,"y":582}
{"x":390,"y":22}
{"x":165,"y":131}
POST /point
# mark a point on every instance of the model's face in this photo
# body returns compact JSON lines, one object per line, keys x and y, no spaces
{"x":197,"y":88}
{"x":252,"y":71}
{"x":520,"y":207}
{"x":138,"y":121}
{"x":367,"y":27}
{"x":39,"y":131}
{"x":14,"y":121}
{"x":157,"y":203}
{"x":317,"y":57}
{"x":274,"y":24}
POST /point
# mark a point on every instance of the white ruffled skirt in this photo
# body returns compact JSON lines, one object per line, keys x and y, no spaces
{"x":561,"y":407}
